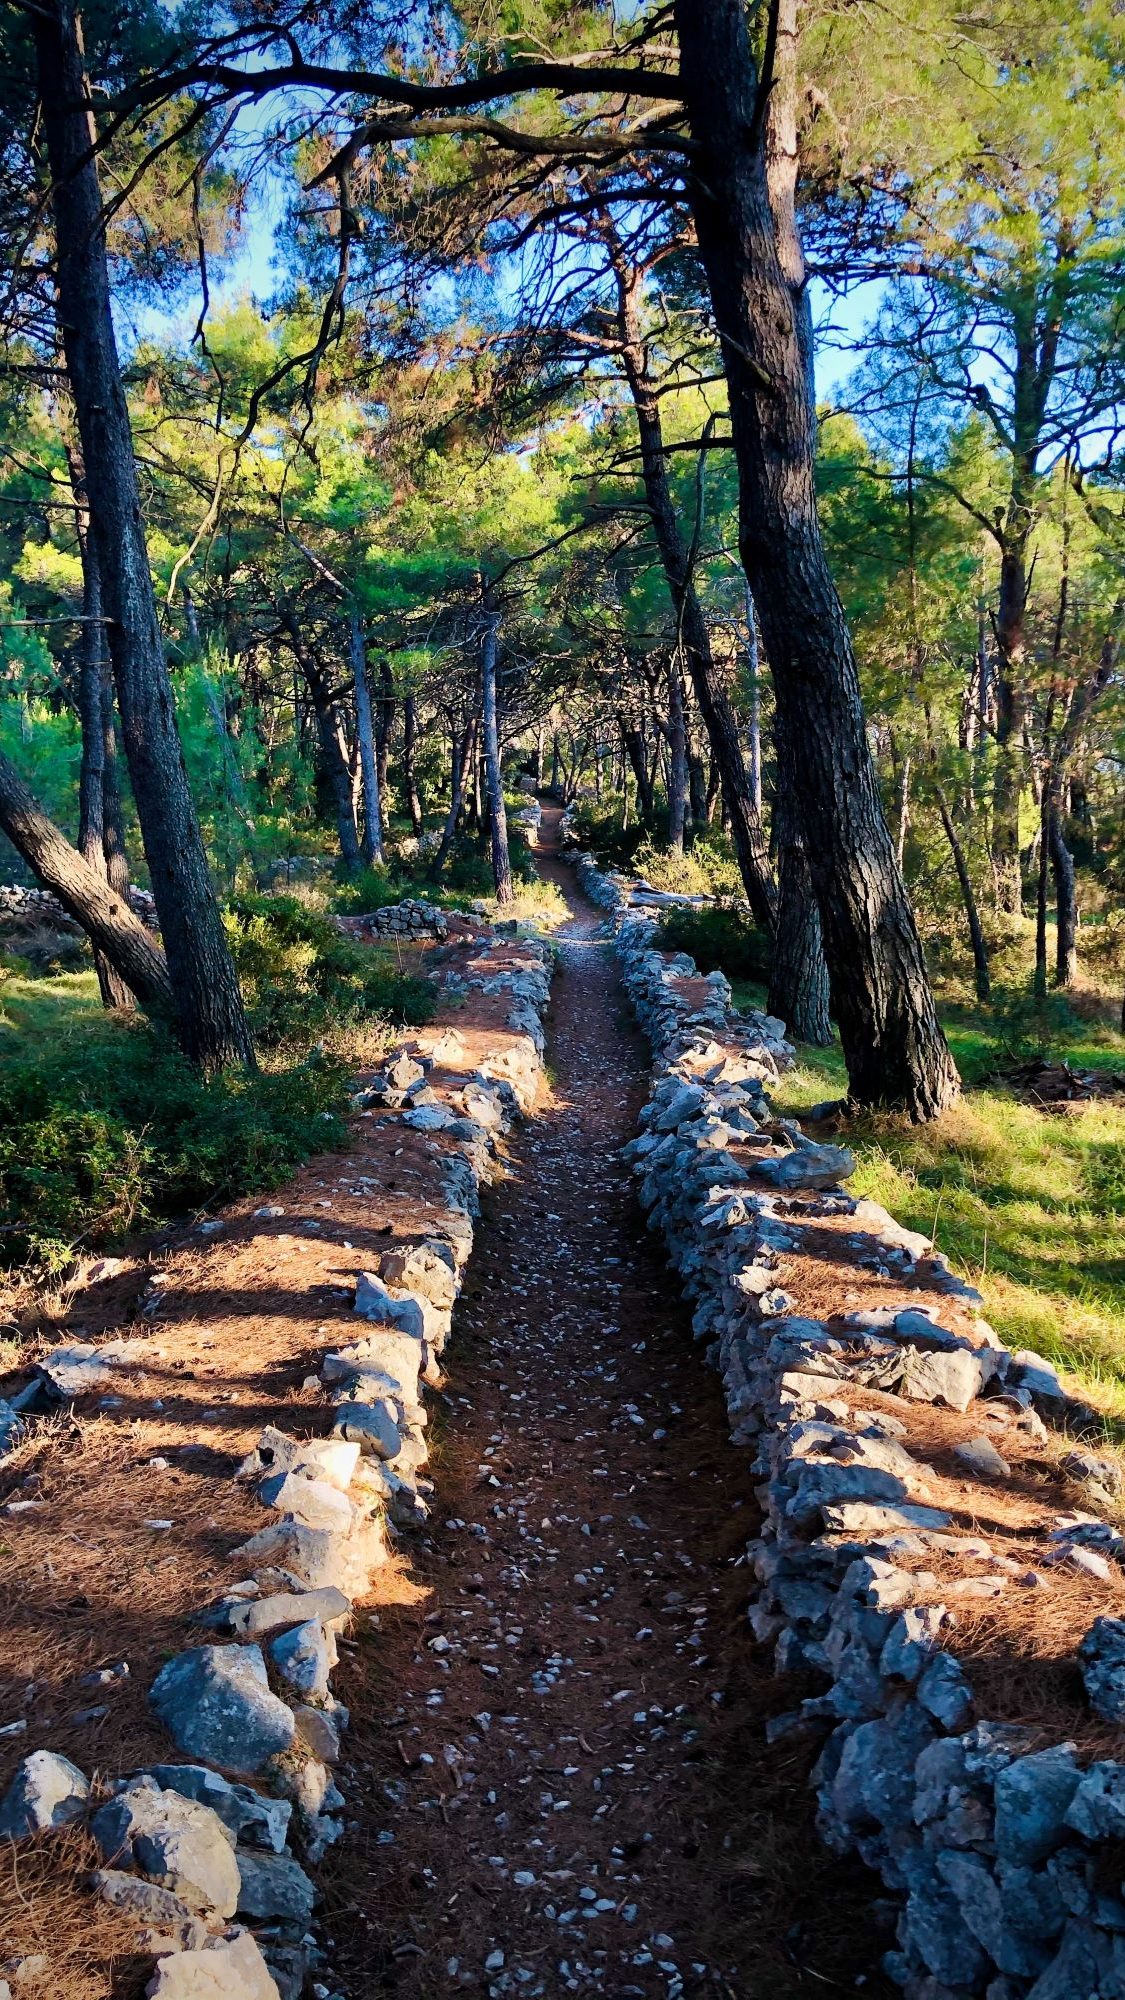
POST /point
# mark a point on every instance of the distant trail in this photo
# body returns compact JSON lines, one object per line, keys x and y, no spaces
{"x":600,"y":1814}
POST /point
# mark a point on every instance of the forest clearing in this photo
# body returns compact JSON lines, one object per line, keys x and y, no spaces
{"x":562,"y":1000}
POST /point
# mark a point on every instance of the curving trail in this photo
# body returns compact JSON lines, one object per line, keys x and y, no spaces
{"x":556,"y":1744}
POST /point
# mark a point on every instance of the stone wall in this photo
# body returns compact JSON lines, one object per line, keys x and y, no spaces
{"x":209,"y":1850}
{"x":999,"y":1842}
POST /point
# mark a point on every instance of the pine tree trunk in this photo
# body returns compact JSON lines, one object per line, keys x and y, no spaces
{"x":113,"y":816}
{"x":330,"y":738}
{"x":85,"y":894}
{"x":1066,"y":907}
{"x":633,"y":745}
{"x":798,"y":989}
{"x":677,"y":758}
{"x":497,"y":816}
{"x":211,"y":1023}
{"x":893,"y":1045}
{"x":116,"y":994}
{"x":464,"y":751}
{"x":372,"y":848}
{"x":693,"y":635}
{"x":409,"y":778}
{"x":384,"y":723}
{"x":968,"y":898}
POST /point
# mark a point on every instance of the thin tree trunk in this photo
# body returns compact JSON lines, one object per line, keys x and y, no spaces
{"x":677,"y":562}
{"x":497,"y":816}
{"x":211,"y":1023}
{"x":409,"y":778}
{"x":677,"y":757}
{"x":633,"y":745}
{"x":330,"y":737}
{"x":85,"y":894}
{"x":372,"y":848}
{"x":903,"y":809}
{"x":798,"y":988}
{"x":894,"y":1048}
{"x":1066,"y":906}
{"x":115,"y":991}
{"x":464,"y":753}
{"x":968,"y":898}
{"x":384,"y":722}
{"x":754,"y":666}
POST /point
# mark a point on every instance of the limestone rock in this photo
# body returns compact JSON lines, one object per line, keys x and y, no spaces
{"x":248,"y":1815}
{"x":151,"y":1905}
{"x":1102,"y":1657}
{"x":47,"y":1790}
{"x":225,"y":1969}
{"x":302,"y":1658}
{"x":370,"y":1425}
{"x":979,"y":1457}
{"x":77,"y":1369}
{"x":1033,"y":1797}
{"x":216,"y":1703}
{"x":178,"y":1843}
{"x":806,"y":1166}
{"x":275,"y":1888}
{"x":257,"y":1617}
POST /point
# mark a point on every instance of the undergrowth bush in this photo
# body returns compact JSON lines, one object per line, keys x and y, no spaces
{"x":100,"y":1135}
{"x":300,"y":977}
{"x":719,"y":939}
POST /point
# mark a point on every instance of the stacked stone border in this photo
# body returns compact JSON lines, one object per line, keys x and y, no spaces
{"x":207,"y":1862}
{"x":1002,"y":1850}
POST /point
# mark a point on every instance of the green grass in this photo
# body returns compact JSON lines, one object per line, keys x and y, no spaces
{"x":1028,"y":1205}
{"x":105,"y":1128}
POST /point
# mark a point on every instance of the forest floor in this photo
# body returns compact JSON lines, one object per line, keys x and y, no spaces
{"x":563,"y":1780}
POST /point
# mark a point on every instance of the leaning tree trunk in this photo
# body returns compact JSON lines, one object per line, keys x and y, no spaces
{"x":894,"y":1048}
{"x":497,"y":816}
{"x":677,"y":563}
{"x":84,"y":894}
{"x":211,"y":1023}
{"x":115,"y":991}
{"x":372,"y":848}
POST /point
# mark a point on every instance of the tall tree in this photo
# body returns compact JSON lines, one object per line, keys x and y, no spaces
{"x":210,"y":1020}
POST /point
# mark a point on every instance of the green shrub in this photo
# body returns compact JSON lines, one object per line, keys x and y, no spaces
{"x":598,"y":830}
{"x":300,"y":977}
{"x":719,"y":939}
{"x":102,"y":1134}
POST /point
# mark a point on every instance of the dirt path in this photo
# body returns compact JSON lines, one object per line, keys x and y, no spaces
{"x":557,"y":1743}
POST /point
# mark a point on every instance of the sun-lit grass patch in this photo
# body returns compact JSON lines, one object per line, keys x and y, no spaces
{"x":1029,"y":1205}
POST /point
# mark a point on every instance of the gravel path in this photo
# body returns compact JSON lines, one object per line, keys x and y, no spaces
{"x":558,"y":1739}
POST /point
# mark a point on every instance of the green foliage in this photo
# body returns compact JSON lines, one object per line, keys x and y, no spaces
{"x":719,"y":940}
{"x":301,"y":978}
{"x":105,"y":1128}
{"x":598,"y":830}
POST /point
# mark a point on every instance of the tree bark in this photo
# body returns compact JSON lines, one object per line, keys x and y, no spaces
{"x":634,"y":747}
{"x":384,"y":723}
{"x":211,"y":1023}
{"x":677,"y":757}
{"x":464,"y":752}
{"x":372,"y":848}
{"x":677,"y":562}
{"x":798,"y":988}
{"x":968,"y":898}
{"x":85,"y":894}
{"x":409,"y":779}
{"x":497,"y":816}
{"x":115,"y":991}
{"x":1066,"y":906}
{"x":894,"y":1048}
{"x":330,"y":737}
